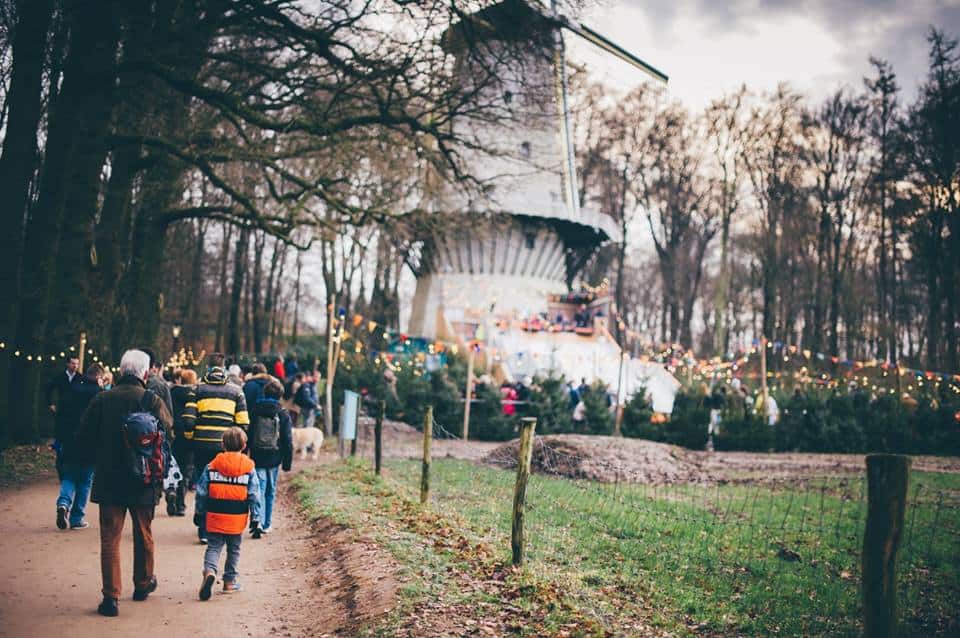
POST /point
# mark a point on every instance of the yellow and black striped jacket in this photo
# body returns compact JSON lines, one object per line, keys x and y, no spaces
{"x":215,"y":407}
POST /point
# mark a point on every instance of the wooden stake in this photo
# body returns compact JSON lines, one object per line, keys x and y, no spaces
{"x":328,"y":388}
{"x":377,"y":436}
{"x":527,"y":425}
{"x":466,"y":405}
{"x":427,"y":438}
{"x":763,"y":376}
{"x":888,"y":478}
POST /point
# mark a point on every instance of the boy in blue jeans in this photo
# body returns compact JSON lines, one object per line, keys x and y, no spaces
{"x":271,"y":445}
{"x":228,"y":494}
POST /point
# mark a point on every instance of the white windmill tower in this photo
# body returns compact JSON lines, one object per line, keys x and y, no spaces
{"x":528,"y":236}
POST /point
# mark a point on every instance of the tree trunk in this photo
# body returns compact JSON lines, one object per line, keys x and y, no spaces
{"x":296,"y":300}
{"x":17,"y":162}
{"x":722,"y":295}
{"x":934,"y":299}
{"x":57,"y":246}
{"x":239,"y":267}
{"x":259,"y":244}
{"x":195,"y":287}
{"x":222,"y":287}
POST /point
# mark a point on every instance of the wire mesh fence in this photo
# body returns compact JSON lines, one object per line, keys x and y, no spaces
{"x":746,"y":555}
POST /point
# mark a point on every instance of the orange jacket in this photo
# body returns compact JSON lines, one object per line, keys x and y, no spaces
{"x":228,"y":492}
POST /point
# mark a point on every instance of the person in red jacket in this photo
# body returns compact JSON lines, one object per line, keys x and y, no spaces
{"x":278,"y":370}
{"x":228,"y":494}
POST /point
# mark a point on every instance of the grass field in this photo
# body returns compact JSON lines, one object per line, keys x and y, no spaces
{"x":756,"y":560}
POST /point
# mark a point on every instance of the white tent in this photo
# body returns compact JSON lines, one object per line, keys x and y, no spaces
{"x":579,"y":357}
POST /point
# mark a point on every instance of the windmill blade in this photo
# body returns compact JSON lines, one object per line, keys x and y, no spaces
{"x":611,"y":47}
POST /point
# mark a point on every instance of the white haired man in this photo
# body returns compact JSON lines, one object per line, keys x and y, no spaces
{"x":101,"y":429}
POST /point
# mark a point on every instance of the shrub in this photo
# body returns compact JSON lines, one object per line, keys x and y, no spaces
{"x":597,"y":416}
{"x":550,"y":404}
{"x":689,"y":421}
{"x":636,"y":419}
{"x":747,"y":431}
{"x":487,"y":420}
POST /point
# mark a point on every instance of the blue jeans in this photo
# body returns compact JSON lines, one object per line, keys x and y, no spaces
{"x":75,"y":483}
{"x":268,"y":491}
{"x":211,"y":557}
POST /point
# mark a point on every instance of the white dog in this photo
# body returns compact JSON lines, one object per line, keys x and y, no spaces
{"x":304,"y":438}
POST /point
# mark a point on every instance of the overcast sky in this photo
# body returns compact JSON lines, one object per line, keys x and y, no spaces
{"x":711,"y":47}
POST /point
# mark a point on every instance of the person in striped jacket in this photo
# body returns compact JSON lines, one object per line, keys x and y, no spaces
{"x":216,"y":407}
{"x":228,"y":495}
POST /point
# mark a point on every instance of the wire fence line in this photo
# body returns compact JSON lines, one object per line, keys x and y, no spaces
{"x":766,"y":547}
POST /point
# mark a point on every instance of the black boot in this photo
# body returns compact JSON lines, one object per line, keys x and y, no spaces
{"x":141,"y":594}
{"x":109,"y":607}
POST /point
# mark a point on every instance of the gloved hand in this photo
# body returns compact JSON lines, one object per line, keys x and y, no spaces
{"x":197,"y":519}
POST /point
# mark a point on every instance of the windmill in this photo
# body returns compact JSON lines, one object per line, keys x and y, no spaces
{"x":535,"y":237}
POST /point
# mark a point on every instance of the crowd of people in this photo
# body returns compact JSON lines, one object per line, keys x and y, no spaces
{"x":229,"y":432}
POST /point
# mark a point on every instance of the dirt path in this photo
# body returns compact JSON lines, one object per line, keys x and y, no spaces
{"x":298,"y":581}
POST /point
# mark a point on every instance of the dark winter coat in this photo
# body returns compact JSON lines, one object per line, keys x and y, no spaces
{"x":265,"y":459}
{"x":60,"y":385}
{"x":180,"y":395}
{"x":159,"y":386}
{"x":253,"y":388}
{"x":75,"y":401}
{"x":306,"y":397}
{"x":101,"y":431}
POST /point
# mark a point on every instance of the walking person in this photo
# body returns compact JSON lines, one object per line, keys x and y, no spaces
{"x":234,"y":375}
{"x":271,"y":445}
{"x":155,"y":382}
{"x":76,"y":461}
{"x":253,"y":387}
{"x":278,"y":370}
{"x":228,"y":494}
{"x":291,"y":389}
{"x":306,"y":399}
{"x":183,"y":392}
{"x":60,"y":386}
{"x":116,"y":488}
{"x":217,"y":406}
{"x":290,"y":366}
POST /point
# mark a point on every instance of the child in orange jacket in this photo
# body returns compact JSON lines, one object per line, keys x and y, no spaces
{"x":228,"y":494}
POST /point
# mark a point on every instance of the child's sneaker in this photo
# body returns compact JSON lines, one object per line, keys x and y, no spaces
{"x":206,"y":589}
{"x":231,"y":587}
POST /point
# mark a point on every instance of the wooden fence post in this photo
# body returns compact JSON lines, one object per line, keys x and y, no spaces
{"x":377,"y":436}
{"x":887,"y":482}
{"x":527,"y":425}
{"x":427,"y":438}
{"x":469,"y":393}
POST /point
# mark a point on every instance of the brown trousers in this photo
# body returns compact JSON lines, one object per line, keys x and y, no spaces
{"x":111,"y":528}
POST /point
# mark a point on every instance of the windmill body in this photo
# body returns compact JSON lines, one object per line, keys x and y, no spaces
{"x":525,"y":237}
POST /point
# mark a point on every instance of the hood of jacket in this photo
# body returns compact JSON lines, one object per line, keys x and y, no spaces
{"x":215,"y":376}
{"x":262,"y":378}
{"x":232,"y":464}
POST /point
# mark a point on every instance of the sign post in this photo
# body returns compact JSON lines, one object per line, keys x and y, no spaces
{"x":348,"y":419}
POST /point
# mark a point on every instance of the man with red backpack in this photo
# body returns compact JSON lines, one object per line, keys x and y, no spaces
{"x":126,"y":429}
